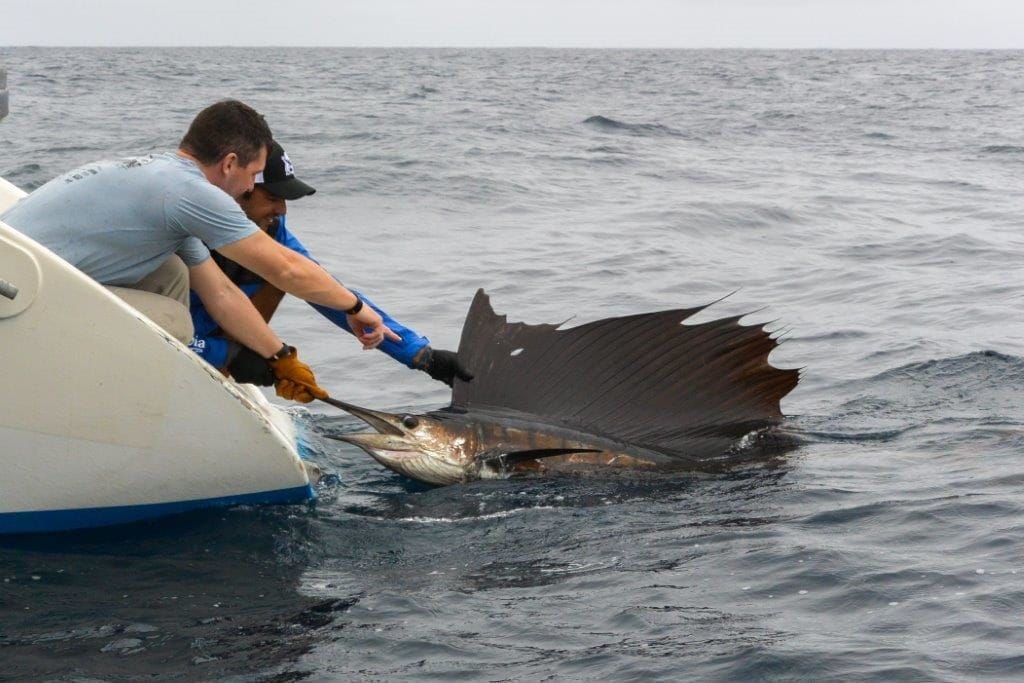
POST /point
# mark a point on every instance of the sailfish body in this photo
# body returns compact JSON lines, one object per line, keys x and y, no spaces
{"x":641,"y":391}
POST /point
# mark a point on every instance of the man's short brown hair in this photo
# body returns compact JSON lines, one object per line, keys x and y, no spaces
{"x":225,"y":127}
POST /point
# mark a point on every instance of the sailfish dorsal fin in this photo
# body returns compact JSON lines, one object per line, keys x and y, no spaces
{"x":646,"y":379}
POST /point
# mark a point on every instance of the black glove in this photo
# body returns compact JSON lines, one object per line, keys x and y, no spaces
{"x":249,"y":367}
{"x":444,"y":366}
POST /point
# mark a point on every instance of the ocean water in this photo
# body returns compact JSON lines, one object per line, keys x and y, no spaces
{"x":867,"y":204}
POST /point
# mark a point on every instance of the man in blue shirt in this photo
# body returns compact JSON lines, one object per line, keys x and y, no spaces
{"x":265,"y":205}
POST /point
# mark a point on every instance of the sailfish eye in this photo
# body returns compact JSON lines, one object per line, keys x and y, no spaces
{"x":410,"y":422}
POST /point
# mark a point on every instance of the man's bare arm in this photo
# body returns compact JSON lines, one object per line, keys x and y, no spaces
{"x":302,"y":277}
{"x":232,"y":310}
{"x":289,"y":271}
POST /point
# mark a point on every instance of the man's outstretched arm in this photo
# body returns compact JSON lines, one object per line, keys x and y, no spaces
{"x":236,"y":315}
{"x":297,"y":275}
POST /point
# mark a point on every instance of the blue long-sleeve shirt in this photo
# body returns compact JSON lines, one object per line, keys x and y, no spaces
{"x":211,"y":345}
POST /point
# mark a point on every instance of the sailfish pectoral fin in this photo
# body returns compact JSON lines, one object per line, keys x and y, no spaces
{"x":504,"y":458}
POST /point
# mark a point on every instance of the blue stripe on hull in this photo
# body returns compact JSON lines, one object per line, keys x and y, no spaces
{"x":64,"y":520}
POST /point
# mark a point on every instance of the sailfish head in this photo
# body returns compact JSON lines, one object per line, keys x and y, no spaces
{"x":443,"y":451}
{"x":417,"y":446}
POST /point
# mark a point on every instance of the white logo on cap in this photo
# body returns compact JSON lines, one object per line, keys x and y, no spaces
{"x":259,"y":178}
{"x":288,"y":168}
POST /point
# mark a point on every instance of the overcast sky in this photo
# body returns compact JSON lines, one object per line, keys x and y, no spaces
{"x":548,"y":23}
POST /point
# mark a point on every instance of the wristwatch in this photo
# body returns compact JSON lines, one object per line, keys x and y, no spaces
{"x":283,"y":352}
{"x":356,"y":307}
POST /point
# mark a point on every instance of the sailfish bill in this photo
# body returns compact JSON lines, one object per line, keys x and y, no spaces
{"x":641,"y":391}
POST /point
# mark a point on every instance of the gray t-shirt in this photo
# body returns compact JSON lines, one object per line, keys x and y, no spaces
{"x":118,"y":221}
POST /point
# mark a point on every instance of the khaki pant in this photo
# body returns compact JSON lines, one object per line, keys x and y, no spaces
{"x":162,"y":296}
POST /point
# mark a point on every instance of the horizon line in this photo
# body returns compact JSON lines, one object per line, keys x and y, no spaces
{"x":513,"y":47}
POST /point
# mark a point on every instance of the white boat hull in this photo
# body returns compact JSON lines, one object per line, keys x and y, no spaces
{"x":105,"y":419}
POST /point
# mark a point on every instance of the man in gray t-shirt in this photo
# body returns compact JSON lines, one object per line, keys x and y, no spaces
{"x":118,"y":221}
{"x":139,"y":227}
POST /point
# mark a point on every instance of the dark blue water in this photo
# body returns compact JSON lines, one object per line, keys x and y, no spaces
{"x":869,"y":202}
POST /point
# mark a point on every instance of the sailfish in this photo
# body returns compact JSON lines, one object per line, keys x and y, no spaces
{"x":641,"y":391}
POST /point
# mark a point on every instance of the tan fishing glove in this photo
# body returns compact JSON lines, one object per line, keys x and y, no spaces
{"x":295,"y":379}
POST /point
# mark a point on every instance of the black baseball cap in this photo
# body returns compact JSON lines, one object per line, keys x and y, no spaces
{"x":278,"y":177}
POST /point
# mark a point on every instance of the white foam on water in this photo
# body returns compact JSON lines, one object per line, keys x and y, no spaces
{"x":457,"y":520}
